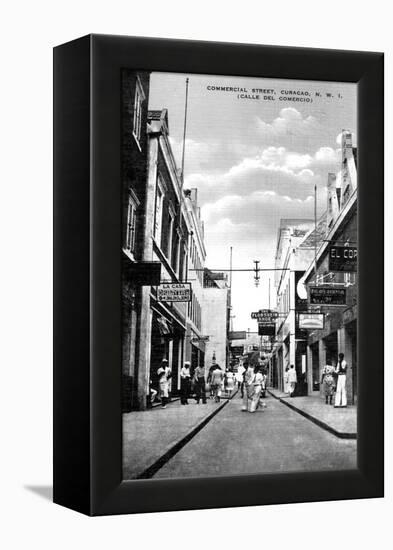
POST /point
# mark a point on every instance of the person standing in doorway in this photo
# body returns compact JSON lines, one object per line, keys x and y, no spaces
{"x":341,"y":390}
{"x":185,"y":377}
{"x":200,"y":385}
{"x":164,"y":374}
{"x":292,"y":380}
{"x":286,"y":380}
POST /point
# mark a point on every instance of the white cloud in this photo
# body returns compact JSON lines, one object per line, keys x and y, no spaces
{"x":289,"y":122}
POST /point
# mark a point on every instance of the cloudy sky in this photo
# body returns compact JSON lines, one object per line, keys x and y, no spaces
{"x":254,"y":161}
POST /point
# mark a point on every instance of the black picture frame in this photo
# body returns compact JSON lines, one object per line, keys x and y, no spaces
{"x":87,"y":274}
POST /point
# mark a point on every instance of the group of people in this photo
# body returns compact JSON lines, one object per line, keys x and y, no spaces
{"x":333,"y":380}
{"x":196,"y":382}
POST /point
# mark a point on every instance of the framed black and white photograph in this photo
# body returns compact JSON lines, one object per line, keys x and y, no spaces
{"x":218,"y":275}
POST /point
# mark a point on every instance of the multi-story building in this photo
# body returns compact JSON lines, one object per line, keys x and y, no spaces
{"x":135,"y":91}
{"x":215,"y":317}
{"x":340,"y":328}
{"x":195,"y":338}
{"x":166,"y":234}
{"x":294,"y":253}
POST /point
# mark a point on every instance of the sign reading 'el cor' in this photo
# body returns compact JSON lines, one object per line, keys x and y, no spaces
{"x":327,"y":296}
{"x":343,"y":258}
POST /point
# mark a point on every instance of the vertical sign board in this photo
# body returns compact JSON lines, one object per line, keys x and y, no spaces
{"x":266,"y":329}
{"x":343,"y":258}
{"x":327,"y":296}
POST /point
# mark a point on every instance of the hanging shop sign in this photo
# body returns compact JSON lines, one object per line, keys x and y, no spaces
{"x":237,"y":335}
{"x":327,"y":296}
{"x":311,"y":321}
{"x":237,"y":351}
{"x":264,"y":315}
{"x":266,"y":329}
{"x":200,"y":339}
{"x":174,"y":292}
{"x":343,"y":258}
{"x":143,"y":273}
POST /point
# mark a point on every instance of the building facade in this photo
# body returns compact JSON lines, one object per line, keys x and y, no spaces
{"x":294,"y":253}
{"x":215,"y":318}
{"x":195,"y":337}
{"x":166,"y":236}
{"x":339,"y":334}
{"x":135,"y":91}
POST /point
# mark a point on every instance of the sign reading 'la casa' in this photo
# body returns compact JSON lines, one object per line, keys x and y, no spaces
{"x":174,"y":292}
{"x":343,"y":258}
{"x":328,"y":296}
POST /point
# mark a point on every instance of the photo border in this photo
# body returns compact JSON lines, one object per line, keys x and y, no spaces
{"x":87,"y":274}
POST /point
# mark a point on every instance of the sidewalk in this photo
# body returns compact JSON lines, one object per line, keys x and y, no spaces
{"x":340,"y":422}
{"x":152,"y":437}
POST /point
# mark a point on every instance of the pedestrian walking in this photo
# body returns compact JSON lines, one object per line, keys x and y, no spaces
{"x":216,"y":382}
{"x":200,"y":385}
{"x":286,"y":380}
{"x":264,"y":383}
{"x":292,"y":380}
{"x":257,"y":381}
{"x":341,"y":390}
{"x":328,"y":382}
{"x":164,"y":375}
{"x":239,"y":379}
{"x":248,"y":378}
{"x":185,"y":378}
{"x":230,"y":377}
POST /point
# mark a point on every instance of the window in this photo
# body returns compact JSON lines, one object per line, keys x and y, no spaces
{"x":158,"y":214}
{"x":138,"y":100}
{"x":169,"y":236}
{"x":133,"y":204}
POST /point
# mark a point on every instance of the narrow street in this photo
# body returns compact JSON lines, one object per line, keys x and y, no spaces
{"x":276,"y":439}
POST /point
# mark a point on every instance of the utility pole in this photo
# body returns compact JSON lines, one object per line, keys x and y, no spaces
{"x":269,"y":292}
{"x":315,"y":233}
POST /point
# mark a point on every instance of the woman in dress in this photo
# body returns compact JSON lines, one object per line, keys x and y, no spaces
{"x":328,"y":382}
{"x":248,"y":393}
{"x":230,"y":382}
{"x":164,"y":374}
{"x":257,"y":383}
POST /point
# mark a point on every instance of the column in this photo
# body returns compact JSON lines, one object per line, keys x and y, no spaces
{"x":322,"y":360}
{"x":345,"y":347}
{"x":145,"y":318}
{"x":310,"y":381}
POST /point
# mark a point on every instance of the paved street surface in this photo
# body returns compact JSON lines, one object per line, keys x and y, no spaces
{"x":342,"y":421}
{"x":148,"y":435}
{"x":275,"y":440}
